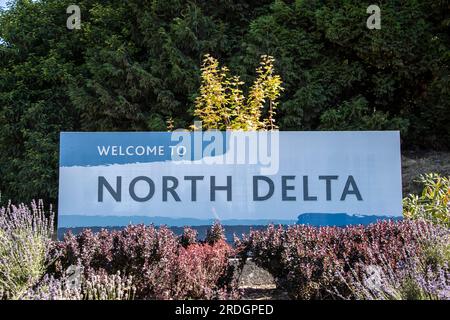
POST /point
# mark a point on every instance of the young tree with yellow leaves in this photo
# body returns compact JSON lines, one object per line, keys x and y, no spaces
{"x":222,"y":105}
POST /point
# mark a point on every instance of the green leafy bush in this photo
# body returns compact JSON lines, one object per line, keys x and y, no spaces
{"x":433,"y":204}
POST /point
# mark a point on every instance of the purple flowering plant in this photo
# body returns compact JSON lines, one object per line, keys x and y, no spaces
{"x":385,"y":260}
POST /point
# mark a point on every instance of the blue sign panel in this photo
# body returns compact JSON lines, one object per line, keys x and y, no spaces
{"x":193,"y":178}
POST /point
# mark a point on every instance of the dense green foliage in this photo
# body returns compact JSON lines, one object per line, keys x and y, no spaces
{"x":134,"y":64}
{"x":433,"y":204}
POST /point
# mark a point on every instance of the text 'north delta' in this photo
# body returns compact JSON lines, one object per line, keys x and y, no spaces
{"x":289,"y":187}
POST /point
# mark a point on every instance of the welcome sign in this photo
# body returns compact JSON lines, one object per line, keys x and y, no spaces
{"x":193,"y":178}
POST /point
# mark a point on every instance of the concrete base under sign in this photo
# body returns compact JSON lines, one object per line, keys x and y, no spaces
{"x":258,"y":284}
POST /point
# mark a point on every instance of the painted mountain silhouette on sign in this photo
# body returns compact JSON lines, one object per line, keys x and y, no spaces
{"x":314,"y":219}
{"x":340,"y":219}
{"x":69,"y":221}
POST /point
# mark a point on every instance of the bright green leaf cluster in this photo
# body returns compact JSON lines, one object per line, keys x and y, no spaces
{"x":434,"y":202}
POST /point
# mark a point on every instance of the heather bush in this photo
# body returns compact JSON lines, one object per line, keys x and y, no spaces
{"x":188,"y":237}
{"x":161,"y":265}
{"x":317,"y":263}
{"x":203,"y":271}
{"x":386,"y":260}
{"x":266,"y":248}
{"x":215,"y":234}
{"x":434,"y":202}
{"x":25,"y":235}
